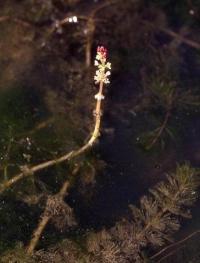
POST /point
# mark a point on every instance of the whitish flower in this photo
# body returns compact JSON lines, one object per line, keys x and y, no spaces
{"x":99,"y":96}
{"x":108,"y":65}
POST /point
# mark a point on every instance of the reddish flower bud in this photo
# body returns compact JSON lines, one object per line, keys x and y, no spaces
{"x":103,"y":51}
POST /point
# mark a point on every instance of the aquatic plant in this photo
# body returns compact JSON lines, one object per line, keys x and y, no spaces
{"x":151,"y":225}
{"x":101,"y":78}
{"x":164,"y":97}
{"x":62,"y":35}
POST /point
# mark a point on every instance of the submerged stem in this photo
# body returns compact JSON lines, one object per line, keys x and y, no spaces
{"x":65,"y":157}
{"x":45,"y":217}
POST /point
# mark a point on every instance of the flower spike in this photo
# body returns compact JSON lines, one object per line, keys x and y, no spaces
{"x":103,"y":67}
